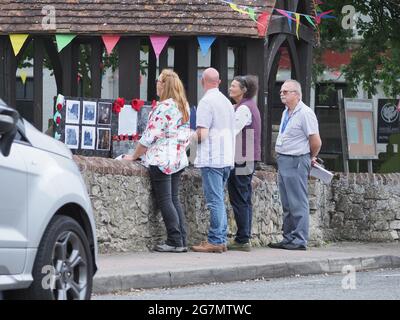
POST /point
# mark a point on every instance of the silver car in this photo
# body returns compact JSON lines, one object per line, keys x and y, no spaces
{"x":48,"y":243}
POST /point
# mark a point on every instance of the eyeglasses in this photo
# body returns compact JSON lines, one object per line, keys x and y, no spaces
{"x":285,"y":92}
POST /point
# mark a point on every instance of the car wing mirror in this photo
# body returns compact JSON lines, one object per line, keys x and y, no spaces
{"x":8,"y":127}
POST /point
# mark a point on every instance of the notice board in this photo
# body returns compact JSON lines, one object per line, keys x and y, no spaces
{"x":360,"y":128}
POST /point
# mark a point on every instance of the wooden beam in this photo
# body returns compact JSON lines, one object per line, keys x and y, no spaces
{"x":192,"y":71}
{"x":75,"y":56}
{"x":219,"y":61}
{"x":255,"y":66}
{"x":271,"y":61}
{"x":163,"y":59}
{"x":129,"y":67}
{"x":151,"y":76}
{"x":8,"y":69}
{"x":95,"y":67}
{"x":38,"y":58}
{"x":66,"y":64}
{"x":181,"y":61}
{"x":305,"y":51}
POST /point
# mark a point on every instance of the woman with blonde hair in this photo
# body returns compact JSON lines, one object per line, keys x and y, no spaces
{"x":163,"y":145}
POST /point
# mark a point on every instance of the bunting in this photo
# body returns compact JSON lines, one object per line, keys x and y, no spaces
{"x":17,"y":41}
{"x":312,"y":20}
{"x":110,"y":42}
{"x":158,"y":43}
{"x":23,"y":76}
{"x":63,"y":40}
{"x":205,"y":43}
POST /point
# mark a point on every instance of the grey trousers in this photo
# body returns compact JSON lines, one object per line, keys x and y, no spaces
{"x":293,"y":174}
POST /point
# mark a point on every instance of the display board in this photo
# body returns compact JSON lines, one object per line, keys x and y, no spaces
{"x":388,"y":119}
{"x":360,"y":128}
{"x":94,"y":127}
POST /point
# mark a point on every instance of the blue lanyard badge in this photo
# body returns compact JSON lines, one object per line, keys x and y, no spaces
{"x":285,"y":121}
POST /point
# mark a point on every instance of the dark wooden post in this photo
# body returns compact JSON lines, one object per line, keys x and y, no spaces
{"x":38,"y":57}
{"x":192,"y":71}
{"x":304,"y":50}
{"x":181,"y":61}
{"x":66,"y":64}
{"x":163,"y":59}
{"x":75,"y":56}
{"x":8,"y":68}
{"x":185,"y":65}
{"x":254,"y":65}
{"x":219,"y":61}
{"x":129,"y":67}
{"x":95,"y":67}
{"x":151,"y":76}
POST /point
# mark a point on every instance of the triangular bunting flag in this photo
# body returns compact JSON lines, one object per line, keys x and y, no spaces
{"x":297,"y":24}
{"x":289,"y":20}
{"x":109,"y":42}
{"x":235,"y":7}
{"x":262,"y":23}
{"x":23,"y":76}
{"x":310,"y":20}
{"x":205,"y":43}
{"x":63,"y":40}
{"x":17,"y":41}
{"x":252,"y":14}
{"x":158,"y":43}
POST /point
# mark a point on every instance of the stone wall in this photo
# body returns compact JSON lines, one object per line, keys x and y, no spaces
{"x":356,"y":207}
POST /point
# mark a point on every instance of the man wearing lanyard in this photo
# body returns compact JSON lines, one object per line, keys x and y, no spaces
{"x":297,"y":147}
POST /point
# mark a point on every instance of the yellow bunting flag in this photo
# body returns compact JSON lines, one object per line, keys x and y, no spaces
{"x":297,"y":24}
{"x":17,"y":41}
{"x":235,"y":7}
{"x":23,"y":76}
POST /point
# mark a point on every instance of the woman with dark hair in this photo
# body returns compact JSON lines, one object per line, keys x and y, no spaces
{"x":243,"y":91}
{"x":163,"y":145}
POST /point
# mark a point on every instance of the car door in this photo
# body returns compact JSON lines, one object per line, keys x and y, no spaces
{"x":13,"y":209}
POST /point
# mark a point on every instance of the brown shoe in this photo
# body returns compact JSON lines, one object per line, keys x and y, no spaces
{"x":205,"y":246}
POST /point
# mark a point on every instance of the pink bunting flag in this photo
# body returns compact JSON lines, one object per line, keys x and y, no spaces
{"x":398,"y":107}
{"x":287,"y":14}
{"x":262,"y":23}
{"x":110,"y":41}
{"x":158,"y":43}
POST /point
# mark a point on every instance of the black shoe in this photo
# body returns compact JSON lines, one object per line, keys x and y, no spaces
{"x":291,"y":246}
{"x":276,"y":245}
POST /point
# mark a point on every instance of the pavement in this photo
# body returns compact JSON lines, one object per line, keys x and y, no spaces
{"x":144,"y":270}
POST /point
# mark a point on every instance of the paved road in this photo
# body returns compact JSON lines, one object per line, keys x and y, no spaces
{"x":380,"y":284}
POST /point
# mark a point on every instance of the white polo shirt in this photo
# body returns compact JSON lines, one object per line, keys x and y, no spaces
{"x":294,"y":138}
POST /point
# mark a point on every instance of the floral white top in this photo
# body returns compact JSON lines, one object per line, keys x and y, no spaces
{"x":166,"y":138}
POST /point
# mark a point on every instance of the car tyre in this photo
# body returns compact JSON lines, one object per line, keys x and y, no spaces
{"x":63,"y":268}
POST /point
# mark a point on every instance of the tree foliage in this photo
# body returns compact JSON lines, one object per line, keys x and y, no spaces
{"x":375,"y":44}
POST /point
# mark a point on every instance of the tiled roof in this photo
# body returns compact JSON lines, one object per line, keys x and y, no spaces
{"x":171,"y":17}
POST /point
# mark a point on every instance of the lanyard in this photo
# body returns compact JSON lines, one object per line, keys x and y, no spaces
{"x":285,"y":121}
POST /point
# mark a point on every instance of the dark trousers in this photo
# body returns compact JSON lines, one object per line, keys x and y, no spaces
{"x":239,"y":188}
{"x":166,"y":189}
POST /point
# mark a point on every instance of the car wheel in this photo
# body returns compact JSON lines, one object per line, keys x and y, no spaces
{"x":63,"y":268}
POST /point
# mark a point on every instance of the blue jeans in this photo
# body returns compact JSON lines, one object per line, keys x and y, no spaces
{"x":214,"y":181}
{"x":240,"y":191}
